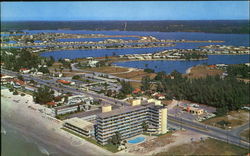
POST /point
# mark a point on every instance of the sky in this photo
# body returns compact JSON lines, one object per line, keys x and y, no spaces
{"x":130,"y":10}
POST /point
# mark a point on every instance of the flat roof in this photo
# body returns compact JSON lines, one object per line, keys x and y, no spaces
{"x":77,"y":122}
{"x":127,"y":109}
{"x":67,"y":106}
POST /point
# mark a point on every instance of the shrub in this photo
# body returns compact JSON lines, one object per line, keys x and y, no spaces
{"x":15,"y":93}
{"x":147,"y":70}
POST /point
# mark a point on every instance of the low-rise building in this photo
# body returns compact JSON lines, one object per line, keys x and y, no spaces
{"x":24,"y":70}
{"x":79,"y":98}
{"x":194,"y":110}
{"x":68,"y":109}
{"x":80,"y":126}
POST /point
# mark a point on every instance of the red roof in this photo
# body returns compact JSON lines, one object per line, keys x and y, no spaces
{"x":159,"y":95}
{"x":137,"y":90}
{"x":51,"y":103}
{"x":212,"y":66}
{"x":63,"y":81}
{"x":23,"y":69}
{"x":20,"y":82}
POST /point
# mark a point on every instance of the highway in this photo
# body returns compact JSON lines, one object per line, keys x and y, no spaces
{"x":224,"y":135}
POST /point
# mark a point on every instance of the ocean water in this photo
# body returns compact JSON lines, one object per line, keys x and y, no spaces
{"x":14,"y":143}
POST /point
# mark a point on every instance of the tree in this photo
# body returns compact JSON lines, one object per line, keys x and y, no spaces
{"x":145,"y":126}
{"x":20,"y":77}
{"x":126,"y":87}
{"x":76,"y":77}
{"x":160,"y":76}
{"x":109,"y":92}
{"x":15,"y":92}
{"x":148,"y":70}
{"x":116,"y":139}
{"x":176,"y":74}
{"x":52,"y":59}
{"x":146,"y":85}
{"x":78,"y":108}
{"x":43,"y":70}
{"x":66,"y":99}
{"x":70,"y":68}
{"x":43,"y":95}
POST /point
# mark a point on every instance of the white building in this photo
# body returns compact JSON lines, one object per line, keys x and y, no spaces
{"x":80,"y":126}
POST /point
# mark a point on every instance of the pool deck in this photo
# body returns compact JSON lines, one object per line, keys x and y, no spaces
{"x":146,"y":138}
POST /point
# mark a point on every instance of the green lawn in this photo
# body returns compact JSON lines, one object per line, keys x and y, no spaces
{"x":109,"y":147}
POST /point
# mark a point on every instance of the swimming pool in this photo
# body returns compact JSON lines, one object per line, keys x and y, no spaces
{"x":136,"y":140}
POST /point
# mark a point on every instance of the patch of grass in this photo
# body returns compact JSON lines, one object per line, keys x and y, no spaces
{"x":109,"y":147}
{"x":203,"y":71}
{"x":208,"y":147}
{"x":246,"y":134}
{"x":233,"y":119}
{"x":107,"y":69}
{"x":135,"y":75}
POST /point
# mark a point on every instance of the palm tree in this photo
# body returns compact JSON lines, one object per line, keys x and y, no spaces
{"x":144,"y":126}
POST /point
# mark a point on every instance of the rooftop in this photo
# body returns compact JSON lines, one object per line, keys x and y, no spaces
{"x":67,"y":106}
{"x":127,"y":109}
{"x":77,"y":122}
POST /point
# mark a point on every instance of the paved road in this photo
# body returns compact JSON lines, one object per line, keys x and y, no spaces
{"x":238,"y":130}
{"x":211,"y":131}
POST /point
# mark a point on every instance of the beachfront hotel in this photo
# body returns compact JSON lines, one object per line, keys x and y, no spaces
{"x":128,"y":120}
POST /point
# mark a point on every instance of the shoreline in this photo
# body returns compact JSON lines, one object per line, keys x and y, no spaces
{"x":188,"y":71}
{"x":40,"y":127}
{"x":130,"y":31}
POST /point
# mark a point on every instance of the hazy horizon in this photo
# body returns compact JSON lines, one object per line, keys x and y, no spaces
{"x":126,"y":10}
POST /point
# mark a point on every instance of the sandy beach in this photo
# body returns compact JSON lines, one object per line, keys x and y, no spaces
{"x":41,"y":128}
{"x":189,"y":70}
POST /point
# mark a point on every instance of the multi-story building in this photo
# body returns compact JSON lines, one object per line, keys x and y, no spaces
{"x":128,"y":120}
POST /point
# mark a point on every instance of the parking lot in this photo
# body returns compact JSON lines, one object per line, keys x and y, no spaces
{"x":179,"y":111}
